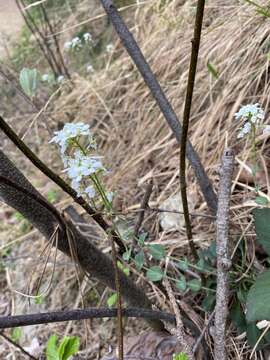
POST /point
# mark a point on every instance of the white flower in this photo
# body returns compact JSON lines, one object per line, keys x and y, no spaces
{"x":45,"y":77}
{"x":76,"y":43}
{"x":262,"y":324}
{"x":60,"y":79}
{"x":68,"y":132}
{"x":251,"y":112}
{"x":266,"y":129}
{"x":87,"y":37}
{"x":82,"y":166}
{"x":90,"y":69}
{"x":109,"y":48}
{"x":245,"y":130}
{"x":90,"y":191}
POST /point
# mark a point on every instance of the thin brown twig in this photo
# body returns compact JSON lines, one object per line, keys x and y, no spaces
{"x":18,"y":346}
{"x":120,"y":334}
{"x":186,"y":116}
{"x":179,"y":331}
{"x":144,"y":206}
{"x":223,"y":258}
{"x":59,"y":181}
{"x":200,"y":338}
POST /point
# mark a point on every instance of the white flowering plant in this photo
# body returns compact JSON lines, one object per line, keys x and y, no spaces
{"x":78,"y":42}
{"x":253,"y":116}
{"x":81,"y":163}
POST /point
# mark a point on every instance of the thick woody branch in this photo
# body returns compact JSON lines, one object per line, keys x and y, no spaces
{"x":223,"y":259}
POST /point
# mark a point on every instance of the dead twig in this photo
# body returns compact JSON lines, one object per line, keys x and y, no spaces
{"x":135,"y":53}
{"x":18,"y":346}
{"x":186,"y":116}
{"x":223,"y":259}
{"x":144,"y":205}
{"x":179,"y":331}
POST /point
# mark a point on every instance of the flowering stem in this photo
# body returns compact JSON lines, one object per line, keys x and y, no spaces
{"x":59,"y":181}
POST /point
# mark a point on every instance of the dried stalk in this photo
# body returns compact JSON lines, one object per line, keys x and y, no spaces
{"x":179,"y":331}
{"x":223,"y":258}
{"x":135,"y":53}
{"x":186,"y":116}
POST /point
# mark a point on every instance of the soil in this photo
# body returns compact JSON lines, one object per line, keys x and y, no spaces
{"x":11,"y":23}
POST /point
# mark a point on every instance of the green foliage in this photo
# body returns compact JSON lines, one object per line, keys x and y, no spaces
{"x":154,"y":273}
{"x":181,"y":284}
{"x":29,"y":81}
{"x":16,"y":334}
{"x":257,"y":306}
{"x":194,"y":285}
{"x":262,"y":227}
{"x":52,"y":196}
{"x":139,"y":260}
{"x":157,"y":251}
{"x":111,"y":301}
{"x":67,"y":347}
{"x":261,"y":200}
{"x":212,"y":70}
{"x":180,"y":356}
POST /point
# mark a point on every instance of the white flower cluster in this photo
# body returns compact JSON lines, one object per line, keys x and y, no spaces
{"x":76,"y":43}
{"x":252,"y":114}
{"x":90,"y":68}
{"x":80,"y":165}
{"x":109,"y":48}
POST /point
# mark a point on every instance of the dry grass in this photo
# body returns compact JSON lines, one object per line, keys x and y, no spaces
{"x":137,"y":144}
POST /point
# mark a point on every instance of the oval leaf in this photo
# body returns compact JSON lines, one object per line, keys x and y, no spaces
{"x":157,"y":251}
{"x":262,"y":227}
{"x":181,"y":284}
{"x":139,"y":260}
{"x":154,"y":273}
{"x":258,"y":304}
{"x":112,"y":300}
{"x":194,"y":285}
{"x":28,"y":81}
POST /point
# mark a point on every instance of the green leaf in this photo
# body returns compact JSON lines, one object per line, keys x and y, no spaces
{"x":238,"y":317}
{"x":139,"y":260}
{"x":258,"y":304}
{"x":126,"y":256}
{"x":157,"y":251}
{"x":69,"y":346}
{"x":181,"y":284}
{"x":123,"y":268}
{"x":194,"y":285}
{"x":142,"y":238}
{"x":154,"y":273}
{"x":52,"y":196}
{"x":262,"y":227}
{"x":112,"y":300}
{"x":208,"y":302}
{"x":261,"y":200}
{"x":16,"y":334}
{"x":180,"y":356}
{"x":29,"y":81}
{"x":183,"y":264}
{"x":51,"y":348}
{"x":212,"y":70}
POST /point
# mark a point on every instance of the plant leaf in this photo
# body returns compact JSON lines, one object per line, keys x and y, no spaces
{"x":139,"y":260}
{"x":112,"y":300}
{"x":51,"y":348}
{"x":29,"y":81}
{"x":261,"y":200}
{"x":212,"y":70}
{"x":69,"y":346}
{"x":194,"y":285}
{"x":258,"y":306}
{"x":157,"y":251}
{"x":181,"y":284}
{"x":154,"y":273}
{"x":262,"y":227}
{"x":183,"y":264}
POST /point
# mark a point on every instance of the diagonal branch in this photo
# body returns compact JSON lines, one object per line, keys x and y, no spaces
{"x":135,"y":53}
